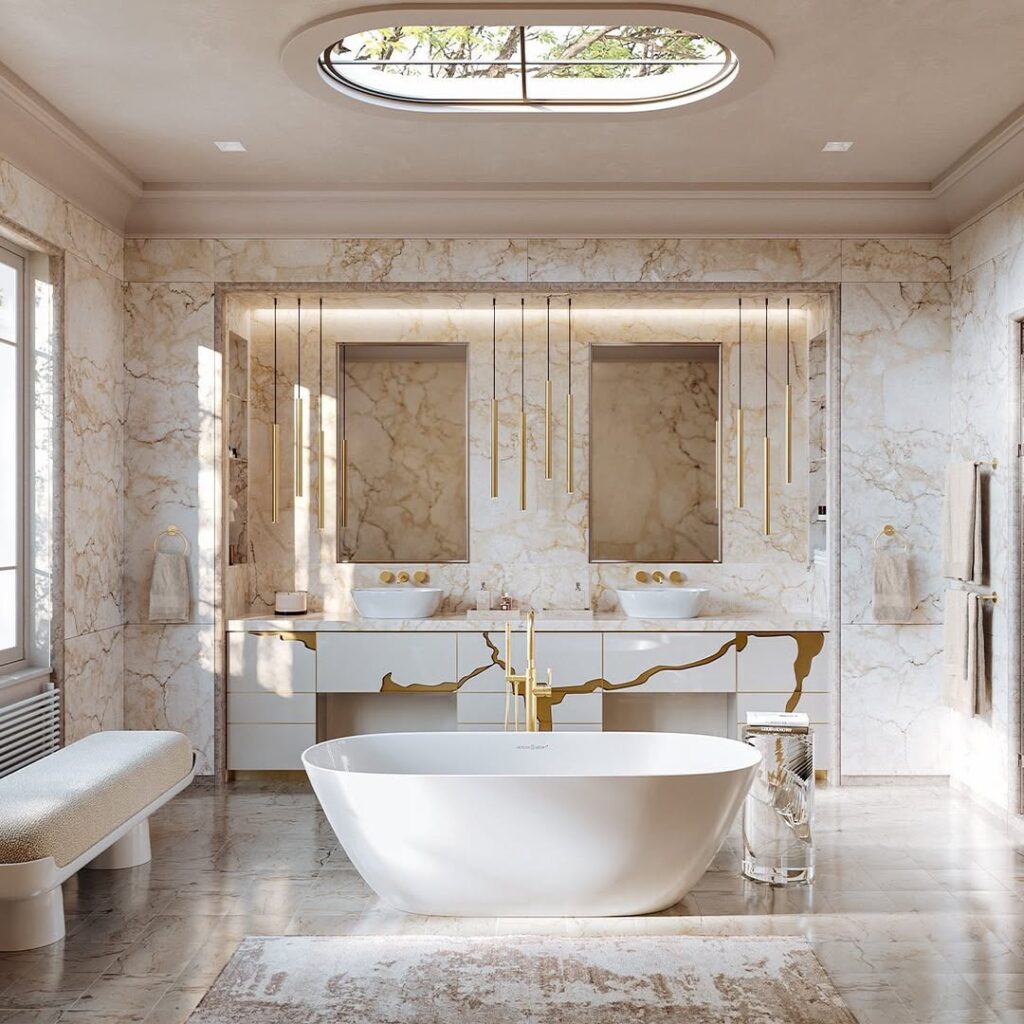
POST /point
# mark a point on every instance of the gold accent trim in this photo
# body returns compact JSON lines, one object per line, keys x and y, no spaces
{"x":298,"y":447}
{"x":388,"y":684}
{"x":767,"y":496}
{"x":789,"y":433}
{"x":809,"y":645}
{"x":344,"y":483}
{"x":548,"y":461}
{"x":569,"y":430}
{"x":321,"y":491}
{"x":307,"y":639}
{"x":821,"y":775}
{"x":494,"y":447}
{"x":740,"y":457}
{"x":522,"y":462}
{"x":275,"y":473}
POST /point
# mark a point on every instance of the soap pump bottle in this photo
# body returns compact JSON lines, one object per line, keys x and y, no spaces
{"x":483,"y":598}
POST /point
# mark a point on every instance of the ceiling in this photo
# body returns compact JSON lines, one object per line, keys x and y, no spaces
{"x":916,"y":84}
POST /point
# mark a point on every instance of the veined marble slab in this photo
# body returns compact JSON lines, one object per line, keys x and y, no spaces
{"x":766,"y":623}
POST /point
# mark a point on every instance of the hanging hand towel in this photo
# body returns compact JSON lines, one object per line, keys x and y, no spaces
{"x":961,"y":523}
{"x":977,"y":676}
{"x":894,"y":587}
{"x":169,"y":599}
{"x":964,"y":649}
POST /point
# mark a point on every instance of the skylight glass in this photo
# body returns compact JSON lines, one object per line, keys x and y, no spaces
{"x":544,"y":65}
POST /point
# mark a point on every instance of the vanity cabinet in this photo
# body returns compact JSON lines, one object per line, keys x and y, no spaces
{"x":671,"y":662}
{"x":378,"y":661}
{"x":271,"y":699}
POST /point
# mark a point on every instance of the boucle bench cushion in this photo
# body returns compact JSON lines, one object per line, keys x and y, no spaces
{"x":67,"y":802}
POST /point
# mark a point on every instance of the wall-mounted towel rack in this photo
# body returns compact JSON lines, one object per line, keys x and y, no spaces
{"x":993,"y":597}
{"x":890,"y":531}
{"x":994,"y":463}
{"x":173,"y":532}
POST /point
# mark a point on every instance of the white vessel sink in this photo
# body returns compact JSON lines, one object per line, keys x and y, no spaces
{"x":661,"y":602}
{"x":397,"y":603}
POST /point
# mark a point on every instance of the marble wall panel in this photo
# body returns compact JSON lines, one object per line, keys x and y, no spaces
{"x":895,"y":259}
{"x":168,"y":683}
{"x":895,"y":435}
{"x":988,"y":236}
{"x":94,"y":449}
{"x":93,"y":687}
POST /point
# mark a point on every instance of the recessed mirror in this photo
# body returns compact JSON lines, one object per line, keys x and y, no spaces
{"x":654,"y":478}
{"x":402,"y":453}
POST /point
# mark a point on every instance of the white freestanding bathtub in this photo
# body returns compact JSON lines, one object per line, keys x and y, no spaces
{"x":561,"y":824}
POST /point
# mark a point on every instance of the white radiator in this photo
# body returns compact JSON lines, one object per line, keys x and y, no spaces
{"x":29,"y":730}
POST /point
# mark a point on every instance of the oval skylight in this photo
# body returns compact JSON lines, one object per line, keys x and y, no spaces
{"x":532,"y":65}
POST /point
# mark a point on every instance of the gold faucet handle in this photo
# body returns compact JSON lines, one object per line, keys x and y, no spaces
{"x":641,"y":576}
{"x":420,"y":577}
{"x":403,"y":577}
{"x":386,"y":576}
{"x":675,"y":576}
{"x":539,"y":690}
{"x":658,"y":576}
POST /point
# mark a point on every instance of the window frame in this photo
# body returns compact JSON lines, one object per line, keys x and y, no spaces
{"x":727,"y":72}
{"x":14,"y":658}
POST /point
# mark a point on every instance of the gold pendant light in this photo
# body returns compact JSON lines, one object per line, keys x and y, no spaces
{"x":569,"y":482}
{"x":275,"y":442}
{"x":740,"y":444}
{"x":522,"y":405}
{"x":767,"y":453}
{"x":548,"y":471}
{"x":321,"y":490}
{"x":494,"y":398}
{"x":298,"y":400}
{"x":343,"y":447}
{"x":789,"y":407}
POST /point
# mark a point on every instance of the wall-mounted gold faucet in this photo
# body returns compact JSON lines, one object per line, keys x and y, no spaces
{"x":531,"y":689}
{"x":675,"y":576}
{"x":419,"y":577}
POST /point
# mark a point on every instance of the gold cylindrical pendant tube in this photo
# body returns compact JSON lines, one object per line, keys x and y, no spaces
{"x":343,"y":471}
{"x":522,"y":462}
{"x":548,"y":462}
{"x":741,"y":453}
{"x":718,"y":465}
{"x":767,"y":497}
{"x":789,"y":433}
{"x":494,"y":447}
{"x":275,"y":471}
{"x":298,"y":447}
{"x":321,"y":489}
{"x":569,"y":482}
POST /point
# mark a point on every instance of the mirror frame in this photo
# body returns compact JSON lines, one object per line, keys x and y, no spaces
{"x":338,"y":529}
{"x":590,"y":450}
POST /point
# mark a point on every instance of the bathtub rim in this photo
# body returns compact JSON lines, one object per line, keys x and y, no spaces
{"x":744,"y":767}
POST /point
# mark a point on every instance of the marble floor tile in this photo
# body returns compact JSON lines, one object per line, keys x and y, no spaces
{"x":917,"y":911}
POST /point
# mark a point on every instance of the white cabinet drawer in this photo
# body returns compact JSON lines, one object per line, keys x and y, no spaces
{"x":254,"y":748}
{"x":673,"y":661}
{"x":817,"y":706}
{"x":480,"y":708}
{"x":573,"y":658}
{"x":769,"y":663}
{"x":274,"y":663}
{"x":268,"y":708}
{"x":361,"y":662}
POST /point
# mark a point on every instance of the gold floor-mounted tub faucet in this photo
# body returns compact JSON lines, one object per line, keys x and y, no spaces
{"x":531,"y":689}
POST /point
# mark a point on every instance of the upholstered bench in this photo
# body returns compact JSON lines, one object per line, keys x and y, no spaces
{"x":87,"y":805}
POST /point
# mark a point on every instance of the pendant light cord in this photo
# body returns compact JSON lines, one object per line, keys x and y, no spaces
{"x":344,"y":391}
{"x":494,"y":348}
{"x":568,"y":346}
{"x":298,"y":348}
{"x":788,"y":357}
{"x":275,"y":360}
{"x":522,"y":354}
{"x":766,"y":367}
{"x":739,"y":348}
{"x":320,"y":403}
{"x":549,"y":339}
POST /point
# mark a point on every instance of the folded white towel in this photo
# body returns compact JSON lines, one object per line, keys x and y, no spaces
{"x":169,"y":599}
{"x":894,"y":587}
{"x":961,"y":523}
{"x":964,"y":646}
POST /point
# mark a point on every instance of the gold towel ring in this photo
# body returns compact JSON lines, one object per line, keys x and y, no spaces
{"x":890,"y":531}
{"x":172,"y":532}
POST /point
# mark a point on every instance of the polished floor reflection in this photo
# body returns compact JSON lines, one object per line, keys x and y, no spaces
{"x":917,"y":912}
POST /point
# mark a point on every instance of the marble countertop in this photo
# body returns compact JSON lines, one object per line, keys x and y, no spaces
{"x":607,"y":622}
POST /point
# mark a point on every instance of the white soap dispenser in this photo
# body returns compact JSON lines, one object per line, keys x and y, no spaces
{"x":483,"y":598}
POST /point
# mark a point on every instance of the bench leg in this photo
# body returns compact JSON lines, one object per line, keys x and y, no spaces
{"x":28,"y":924}
{"x":131,"y":850}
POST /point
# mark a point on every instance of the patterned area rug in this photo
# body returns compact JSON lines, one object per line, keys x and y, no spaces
{"x":421,"y":980}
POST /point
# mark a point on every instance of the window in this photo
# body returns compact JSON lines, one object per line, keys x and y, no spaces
{"x":12,"y":456}
{"x":568,"y":66}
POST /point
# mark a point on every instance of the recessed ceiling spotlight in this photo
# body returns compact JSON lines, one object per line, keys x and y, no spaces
{"x":836,"y":147}
{"x":230,"y":147}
